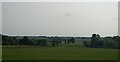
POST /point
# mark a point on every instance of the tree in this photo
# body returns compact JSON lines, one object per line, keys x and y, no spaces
{"x":72,"y":40}
{"x":0,"y":39}
{"x":116,"y":41}
{"x":86,"y":43}
{"x":4,"y":40}
{"x":9,"y":40}
{"x":111,"y":42}
{"x":95,"y":40}
{"x":13,"y":41}
{"x":42,"y":42}
{"x":100,"y":44}
{"x":56,"y":41}
{"x":25,"y":41}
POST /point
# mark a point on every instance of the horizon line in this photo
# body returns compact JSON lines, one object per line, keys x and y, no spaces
{"x":63,"y":35}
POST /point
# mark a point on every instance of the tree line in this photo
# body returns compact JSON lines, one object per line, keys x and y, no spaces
{"x":103,"y":42}
{"x":95,"y":42}
{"x":51,"y":41}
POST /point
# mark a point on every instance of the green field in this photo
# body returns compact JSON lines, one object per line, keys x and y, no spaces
{"x":58,"y":53}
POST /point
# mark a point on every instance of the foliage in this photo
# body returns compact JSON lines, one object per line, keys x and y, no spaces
{"x":25,"y":41}
{"x":42,"y":42}
{"x":95,"y":42}
{"x":6,"y":40}
{"x":105,"y":42}
{"x":86,"y":43}
{"x":72,"y":40}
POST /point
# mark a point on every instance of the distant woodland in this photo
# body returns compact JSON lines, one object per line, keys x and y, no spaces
{"x":95,"y":41}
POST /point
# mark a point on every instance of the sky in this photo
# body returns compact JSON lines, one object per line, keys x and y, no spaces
{"x":0,"y":18}
{"x":61,"y":19}
{"x":60,"y":0}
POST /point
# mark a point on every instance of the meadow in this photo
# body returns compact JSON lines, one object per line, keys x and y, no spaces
{"x":57,"y":53}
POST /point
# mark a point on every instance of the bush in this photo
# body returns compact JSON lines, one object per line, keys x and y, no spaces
{"x":42,"y":42}
{"x":86,"y":43}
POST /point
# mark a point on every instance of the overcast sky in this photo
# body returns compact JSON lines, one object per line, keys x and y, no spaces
{"x":68,"y":19}
{"x":60,"y":1}
{"x":0,"y":18}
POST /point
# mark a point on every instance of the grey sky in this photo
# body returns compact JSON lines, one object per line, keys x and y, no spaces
{"x":60,"y":0}
{"x":0,"y":18}
{"x":69,"y":19}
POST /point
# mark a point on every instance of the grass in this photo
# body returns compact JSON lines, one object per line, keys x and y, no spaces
{"x":58,"y":53}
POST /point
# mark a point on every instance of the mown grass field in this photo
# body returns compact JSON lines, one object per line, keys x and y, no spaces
{"x":58,"y":53}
